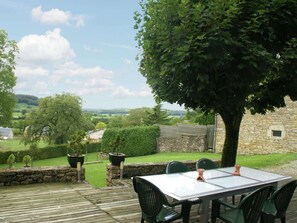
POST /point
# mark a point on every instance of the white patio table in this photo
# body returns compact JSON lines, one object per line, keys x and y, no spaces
{"x":219,"y":183}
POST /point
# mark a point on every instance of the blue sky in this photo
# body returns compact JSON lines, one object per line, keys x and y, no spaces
{"x":84,"y":47}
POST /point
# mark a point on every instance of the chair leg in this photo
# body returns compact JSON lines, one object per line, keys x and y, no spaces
{"x":283,"y":219}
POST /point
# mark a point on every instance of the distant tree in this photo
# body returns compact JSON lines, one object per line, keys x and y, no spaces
{"x":8,"y":51}
{"x":220,"y":56}
{"x":117,"y":121}
{"x":87,"y":123}
{"x":137,"y":116}
{"x":100,"y":125}
{"x":199,"y":117}
{"x":56,"y":119}
{"x":157,"y":116}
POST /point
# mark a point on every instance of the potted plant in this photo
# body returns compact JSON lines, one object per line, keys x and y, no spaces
{"x":77,"y":145}
{"x":115,"y":157}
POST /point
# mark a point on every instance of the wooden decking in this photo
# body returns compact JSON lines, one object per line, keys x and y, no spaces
{"x":79,"y":203}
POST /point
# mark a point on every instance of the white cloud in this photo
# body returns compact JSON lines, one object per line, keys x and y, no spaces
{"x":56,"y":17}
{"x":145,"y":91}
{"x":23,"y":72}
{"x":51,"y":47}
{"x":42,"y":88}
{"x":91,"y":49}
{"x":122,"y":92}
{"x":46,"y":66}
{"x":127,"y":61}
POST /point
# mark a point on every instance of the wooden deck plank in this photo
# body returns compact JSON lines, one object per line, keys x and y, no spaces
{"x":76,"y":203}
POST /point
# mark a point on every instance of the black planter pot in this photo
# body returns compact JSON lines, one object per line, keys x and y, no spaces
{"x":73,"y":160}
{"x":116,"y":158}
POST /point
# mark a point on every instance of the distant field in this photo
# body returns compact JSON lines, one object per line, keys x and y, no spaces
{"x":16,"y":145}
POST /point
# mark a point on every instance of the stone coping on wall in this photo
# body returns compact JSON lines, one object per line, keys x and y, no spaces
{"x":113,"y":173}
{"x":32,"y":175}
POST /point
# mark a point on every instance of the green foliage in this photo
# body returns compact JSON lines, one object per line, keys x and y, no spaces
{"x":27,"y":99}
{"x":133,"y":141}
{"x":137,"y":116}
{"x":77,"y":143}
{"x":100,"y":125}
{"x":220,"y":56}
{"x":117,"y":122}
{"x":27,"y":160}
{"x":51,"y":151}
{"x":157,"y":116}
{"x":199,"y":117}
{"x":8,"y":51}
{"x":10,"y":160}
{"x":56,"y":118}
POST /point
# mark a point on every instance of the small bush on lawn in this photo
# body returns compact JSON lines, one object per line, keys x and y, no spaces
{"x":134,"y":141}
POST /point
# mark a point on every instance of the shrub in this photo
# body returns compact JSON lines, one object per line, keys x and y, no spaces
{"x":10,"y":160}
{"x":27,"y":160}
{"x":134,"y":141}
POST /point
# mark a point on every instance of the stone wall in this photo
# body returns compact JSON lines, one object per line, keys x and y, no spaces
{"x":185,"y":138}
{"x":139,"y":169}
{"x":35,"y":175}
{"x":275,"y":132}
{"x":183,"y":143}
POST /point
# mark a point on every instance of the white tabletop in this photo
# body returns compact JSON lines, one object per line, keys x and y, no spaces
{"x":183,"y":186}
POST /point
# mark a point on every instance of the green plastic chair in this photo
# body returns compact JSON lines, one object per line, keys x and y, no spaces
{"x":206,"y":164}
{"x":154,"y":205}
{"x":276,"y":206}
{"x":176,"y":167}
{"x":247,"y":211}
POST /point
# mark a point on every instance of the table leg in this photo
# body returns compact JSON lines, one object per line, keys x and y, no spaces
{"x":186,"y":208}
{"x":205,"y":211}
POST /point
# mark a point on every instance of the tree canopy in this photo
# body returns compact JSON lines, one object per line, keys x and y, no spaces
{"x":8,"y":51}
{"x":56,"y":119}
{"x":220,"y":56}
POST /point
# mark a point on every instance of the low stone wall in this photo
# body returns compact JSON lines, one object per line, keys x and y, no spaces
{"x":139,"y":169}
{"x":35,"y":175}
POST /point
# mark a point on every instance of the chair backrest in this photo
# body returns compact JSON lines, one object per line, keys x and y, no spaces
{"x":151,"y":199}
{"x":252,"y":204}
{"x":283,"y":196}
{"x":176,"y":167}
{"x":206,"y":164}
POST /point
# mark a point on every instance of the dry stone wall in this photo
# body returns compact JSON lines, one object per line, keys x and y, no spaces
{"x":275,"y":132}
{"x":113,"y":173}
{"x":183,"y":138}
{"x":9,"y":177}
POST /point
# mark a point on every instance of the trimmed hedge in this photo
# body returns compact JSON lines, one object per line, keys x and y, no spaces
{"x":45,"y":152}
{"x":134,"y":141}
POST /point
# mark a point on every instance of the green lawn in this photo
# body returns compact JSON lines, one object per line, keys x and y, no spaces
{"x":96,"y":173}
{"x":16,"y":145}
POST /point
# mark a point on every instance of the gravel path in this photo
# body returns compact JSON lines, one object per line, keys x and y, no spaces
{"x":288,"y":169}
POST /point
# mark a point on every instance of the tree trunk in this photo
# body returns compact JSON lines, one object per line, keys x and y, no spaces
{"x":232,"y":126}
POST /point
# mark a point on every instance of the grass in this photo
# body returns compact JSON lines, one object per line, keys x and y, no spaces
{"x":96,"y":173}
{"x":16,"y":145}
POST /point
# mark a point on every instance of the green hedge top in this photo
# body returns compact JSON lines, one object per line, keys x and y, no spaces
{"x":134,"y":141}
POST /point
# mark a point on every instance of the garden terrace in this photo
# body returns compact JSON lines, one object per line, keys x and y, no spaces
{"x":80,"y":202}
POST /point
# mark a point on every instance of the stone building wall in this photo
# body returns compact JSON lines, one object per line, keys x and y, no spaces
{"x":275,"y":132}
{"x":9,"y":177}
{"x":139,"y":169}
